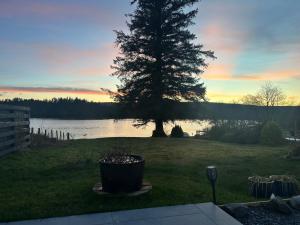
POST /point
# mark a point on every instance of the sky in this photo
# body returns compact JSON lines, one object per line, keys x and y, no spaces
{"x":64,"y":48}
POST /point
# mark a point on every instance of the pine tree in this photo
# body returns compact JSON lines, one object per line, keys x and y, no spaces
{"x":159,"y":61}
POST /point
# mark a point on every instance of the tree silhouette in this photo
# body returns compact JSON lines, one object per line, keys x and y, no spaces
{"x":159,"y":61}
{"x":268,"y":95}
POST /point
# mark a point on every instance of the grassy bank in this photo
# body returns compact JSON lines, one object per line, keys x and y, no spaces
{"x":58,"y":180}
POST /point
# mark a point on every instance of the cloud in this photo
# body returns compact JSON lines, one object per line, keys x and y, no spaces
{"x":223,"y":97}
{"x":219,"y":71}
{"x":252,"y":41}
{"x":274,"y":75}
{"x":58,"y":90}
{"x":38,"y":11}
{"x":64,"y":59}
{"x":222,"y":39}
{"x":61,"y":41}
{"x":78,"y":61}
{"x":64,"y":54}
{"x":95,"y":71}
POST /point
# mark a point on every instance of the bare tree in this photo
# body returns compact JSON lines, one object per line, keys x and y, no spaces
{"x":268,"y":95}
{"x":250,"y":100}
{"x":271,"y":95}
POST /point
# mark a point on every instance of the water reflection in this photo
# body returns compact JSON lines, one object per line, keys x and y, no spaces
{"x":110,"y":128}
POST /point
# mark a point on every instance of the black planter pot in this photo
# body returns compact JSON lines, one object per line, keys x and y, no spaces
{"x":120,"y":177}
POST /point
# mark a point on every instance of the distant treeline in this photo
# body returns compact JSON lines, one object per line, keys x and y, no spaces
{"x":81,"y":109}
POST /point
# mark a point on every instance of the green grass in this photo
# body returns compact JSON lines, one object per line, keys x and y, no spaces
{"x":58,"y":180}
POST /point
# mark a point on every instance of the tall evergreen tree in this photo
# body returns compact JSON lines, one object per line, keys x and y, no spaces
{"x":159,"y":61}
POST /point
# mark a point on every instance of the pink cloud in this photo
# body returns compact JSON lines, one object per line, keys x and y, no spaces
{"x":63,"y":54}
{"x":67,"y":59}
{"x":57,"y":11}
{"x":224,"y":40}
{"x":58,"y":90}
{"x":219,"y":71}
{"x":228,"y":44}
{"x":77,"y":61}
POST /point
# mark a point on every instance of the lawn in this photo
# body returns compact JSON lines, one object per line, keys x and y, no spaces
{"x":58,"y":180}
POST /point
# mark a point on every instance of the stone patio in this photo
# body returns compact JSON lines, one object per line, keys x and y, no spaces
{"x":193,"y":214}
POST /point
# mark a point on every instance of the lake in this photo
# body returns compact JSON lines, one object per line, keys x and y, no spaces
{"x":88,"y":129}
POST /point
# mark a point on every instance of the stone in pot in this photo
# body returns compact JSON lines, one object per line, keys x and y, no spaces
{"x":279,"y":205}
{"x":295,"y":202}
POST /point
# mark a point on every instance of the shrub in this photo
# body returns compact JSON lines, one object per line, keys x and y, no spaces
{"x":294,"y":153}
{"x":177,"y":132}
{"x":271,"y":134}
{"x":216,"y":132}
{"x":228,"y":137}
{"x":241,"y":132}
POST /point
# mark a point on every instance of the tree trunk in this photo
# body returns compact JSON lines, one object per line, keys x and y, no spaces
{"x":159,"y":129}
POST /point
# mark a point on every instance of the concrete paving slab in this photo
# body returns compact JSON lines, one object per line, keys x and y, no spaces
{"x":192,"y":214}
{"x":192,"y":219}
{"x":87,"y":219}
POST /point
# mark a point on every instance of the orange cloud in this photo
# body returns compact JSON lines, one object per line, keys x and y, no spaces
{"x":218,"y":72}
{"x":223,"y":97}
{"x":270,"y":75}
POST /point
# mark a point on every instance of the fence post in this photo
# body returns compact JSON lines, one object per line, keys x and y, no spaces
{"x":14,"y":128}
{"x":68,"y":136}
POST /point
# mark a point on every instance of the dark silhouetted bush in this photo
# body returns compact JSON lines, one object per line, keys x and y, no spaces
{"x":271,"y":134}
{"x":177,"y":132}
{"x":294,"y":153}
{"x":241,"y":132}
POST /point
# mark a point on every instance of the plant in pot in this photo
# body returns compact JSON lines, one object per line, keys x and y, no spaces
{"x":280,"y":185}
{"x":121,"y":172}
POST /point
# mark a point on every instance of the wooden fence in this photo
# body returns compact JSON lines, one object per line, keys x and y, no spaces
{"x":52,"y":134}
{"x":14,"y":128}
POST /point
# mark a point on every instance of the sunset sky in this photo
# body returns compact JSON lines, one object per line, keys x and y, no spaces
{"x":64,"y":48}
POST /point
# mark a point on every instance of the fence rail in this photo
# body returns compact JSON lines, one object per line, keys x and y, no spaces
{"x":14,"y":128}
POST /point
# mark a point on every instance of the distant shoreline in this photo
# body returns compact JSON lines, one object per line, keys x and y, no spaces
{"x":70,"y":109}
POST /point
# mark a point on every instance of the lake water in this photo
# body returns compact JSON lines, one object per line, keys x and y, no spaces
{"x":87,"y":129}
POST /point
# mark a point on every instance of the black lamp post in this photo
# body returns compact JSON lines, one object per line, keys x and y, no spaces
{"x":212,"y":175}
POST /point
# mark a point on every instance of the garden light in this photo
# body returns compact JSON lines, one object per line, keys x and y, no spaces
{"x":212,"y":175}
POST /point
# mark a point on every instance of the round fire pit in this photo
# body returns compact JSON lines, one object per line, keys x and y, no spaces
{"x":122,"y":173}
